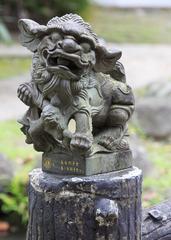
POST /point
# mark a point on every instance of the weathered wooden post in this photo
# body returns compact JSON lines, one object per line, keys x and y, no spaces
{"x":87,"y":188}
{"x":156,"y":222}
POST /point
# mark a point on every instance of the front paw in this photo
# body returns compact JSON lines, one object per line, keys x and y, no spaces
{"x":112,"y":144}
{"x":81,"y":142}
{"x":108,"y":142}
{"x":24,"y":94}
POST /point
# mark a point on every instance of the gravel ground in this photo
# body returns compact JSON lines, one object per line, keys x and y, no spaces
{"x":146,"y":63}
{"x":13,"y":51}
{"x":10,"y":106}
{"x":143,"y":63}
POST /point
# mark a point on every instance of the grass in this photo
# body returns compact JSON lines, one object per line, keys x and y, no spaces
{"x":14,"y":203}
{"x":157,"y":185}
{"x":12,"y":143}
{"x":12,"y":67}
{"x":131,"y":26}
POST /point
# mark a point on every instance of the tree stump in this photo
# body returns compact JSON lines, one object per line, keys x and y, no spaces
{"x":103,"y":207}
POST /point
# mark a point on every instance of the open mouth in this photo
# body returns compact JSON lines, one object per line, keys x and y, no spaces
{"x":63,"y":63}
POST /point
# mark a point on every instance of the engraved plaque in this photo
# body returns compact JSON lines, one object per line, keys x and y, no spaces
{"x":63,"y":164}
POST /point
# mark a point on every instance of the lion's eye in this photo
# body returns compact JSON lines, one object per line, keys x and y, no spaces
{"x":86,"y":47}
{"x":55,"y":37}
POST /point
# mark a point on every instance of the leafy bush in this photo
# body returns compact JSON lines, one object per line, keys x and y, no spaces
{"x":39,"y":10}
{"x":14,"y":203}
{"x":46,"y":9}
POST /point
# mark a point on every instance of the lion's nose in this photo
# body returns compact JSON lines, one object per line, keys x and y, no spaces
{"x":70,"y":46}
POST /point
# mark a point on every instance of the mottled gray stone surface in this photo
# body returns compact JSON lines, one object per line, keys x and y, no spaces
{"x":158,"y":89}
{"x":154,"y":116}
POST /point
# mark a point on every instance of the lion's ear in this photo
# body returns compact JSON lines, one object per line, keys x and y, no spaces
{"x":30,"y":33}
{"x":105,"y":59}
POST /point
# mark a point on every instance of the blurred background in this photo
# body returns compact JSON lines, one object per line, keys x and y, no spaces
{"x":142,"y":30}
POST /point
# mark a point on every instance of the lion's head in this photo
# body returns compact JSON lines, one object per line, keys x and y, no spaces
{"x":67,"y":46}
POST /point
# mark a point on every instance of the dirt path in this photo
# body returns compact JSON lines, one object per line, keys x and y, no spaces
{"x":144,"y":64}
{"x":15,"y":50}
{"x":10,"y":106}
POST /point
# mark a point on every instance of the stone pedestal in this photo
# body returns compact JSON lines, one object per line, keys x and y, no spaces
{"x":74,"y":164}
{"x":104,"y":206}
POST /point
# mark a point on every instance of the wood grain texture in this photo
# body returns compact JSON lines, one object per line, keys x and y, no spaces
{"x":157,"y":222}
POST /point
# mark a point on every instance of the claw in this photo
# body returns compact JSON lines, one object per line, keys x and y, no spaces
{"x":81,"y":142}
{"x":108,"y":142}
{"x":24,"y":94}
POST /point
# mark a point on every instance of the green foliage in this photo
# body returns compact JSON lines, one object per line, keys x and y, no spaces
{"x":43,"y":10}
{"x":15,"y":200}
{"x":159,"y":181}
{"x":46,"y":9}
{"x":156,"y":186}
{"x":13,"y":142}
{"x":14,"y":66}
{"x":131,"y":26}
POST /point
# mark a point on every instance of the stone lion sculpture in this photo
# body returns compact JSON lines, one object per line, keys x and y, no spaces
{"x":74,"y":76}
